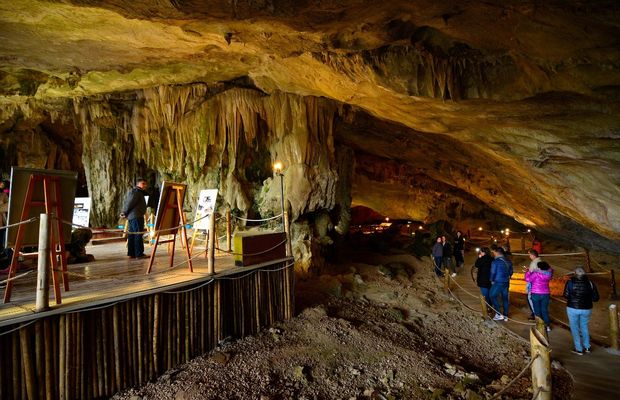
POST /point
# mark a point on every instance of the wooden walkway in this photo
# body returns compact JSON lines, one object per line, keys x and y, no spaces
{"x":597,"y":375}
{"x":118,"y":327}
{"x":112,"y":277}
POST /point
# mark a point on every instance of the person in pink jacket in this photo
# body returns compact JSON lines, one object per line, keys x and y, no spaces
{"x":540,"y":292}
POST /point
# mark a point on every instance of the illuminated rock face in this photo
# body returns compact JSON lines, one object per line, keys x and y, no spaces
{"x":416,"y":109}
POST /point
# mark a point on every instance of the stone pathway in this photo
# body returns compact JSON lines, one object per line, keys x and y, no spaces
{"x":597,"y":375}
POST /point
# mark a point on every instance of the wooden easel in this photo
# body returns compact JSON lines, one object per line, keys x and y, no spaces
{"x":177,"y":208}
{"x":53,"y":205}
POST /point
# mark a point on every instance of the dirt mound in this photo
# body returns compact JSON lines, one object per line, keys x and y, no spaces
{"x":383,"y":329}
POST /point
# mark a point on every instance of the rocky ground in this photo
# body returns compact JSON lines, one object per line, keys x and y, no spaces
{"x":378,"y":327}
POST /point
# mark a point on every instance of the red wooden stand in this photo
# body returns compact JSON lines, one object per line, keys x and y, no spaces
{"x":176,"y":206}
{"x":53,"y":206}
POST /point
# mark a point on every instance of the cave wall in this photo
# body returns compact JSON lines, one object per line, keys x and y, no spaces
{"x":511,"y":104}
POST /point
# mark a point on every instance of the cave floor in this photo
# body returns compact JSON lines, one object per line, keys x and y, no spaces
{"x":596,"y":374}
{"x":111,"y":277}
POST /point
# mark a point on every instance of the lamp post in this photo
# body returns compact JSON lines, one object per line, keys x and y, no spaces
{"x":277,"y":169}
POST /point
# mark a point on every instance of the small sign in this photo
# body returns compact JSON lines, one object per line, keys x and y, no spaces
{"x":205,"y":207}
{"x":81,"y":211}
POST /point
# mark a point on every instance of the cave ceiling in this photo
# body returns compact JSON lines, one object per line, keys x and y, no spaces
{"x":513,"y":104}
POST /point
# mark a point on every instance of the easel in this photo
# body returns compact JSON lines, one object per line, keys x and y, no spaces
{"x":53,"y":205}
{"x":176,"y":207}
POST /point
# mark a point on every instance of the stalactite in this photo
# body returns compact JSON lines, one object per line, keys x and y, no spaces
{"x":177,"y":129}
{"x":419,"y":72}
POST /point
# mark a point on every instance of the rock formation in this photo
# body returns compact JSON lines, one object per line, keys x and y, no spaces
{"x":423,"y":110}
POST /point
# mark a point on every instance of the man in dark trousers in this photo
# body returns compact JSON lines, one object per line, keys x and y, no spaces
{"x":501,"y":271}
{"x":134,"y":209}
{"x":483,"y":264}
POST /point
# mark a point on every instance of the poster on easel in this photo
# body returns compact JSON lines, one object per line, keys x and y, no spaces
{"x":169,"y":220}
{"x":20,"y":178}
{"x":205,"y":208}
{"x":81,"y":212}
{"x":168,"y":217}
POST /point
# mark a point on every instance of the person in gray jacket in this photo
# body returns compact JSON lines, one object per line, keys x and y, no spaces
{"x":134,"y":209}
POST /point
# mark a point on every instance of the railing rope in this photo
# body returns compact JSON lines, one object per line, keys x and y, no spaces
{"x":27,"y":221}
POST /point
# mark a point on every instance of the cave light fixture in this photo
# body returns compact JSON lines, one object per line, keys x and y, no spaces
{"x":480,"y":228}
{"x":278,"y":168}
{"x":421,"y":227}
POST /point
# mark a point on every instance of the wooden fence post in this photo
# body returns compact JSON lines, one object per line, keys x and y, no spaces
{"x":541,"y":367}
{"x":43,"y":286}
{"x":613,"y":295}
{"x":287,"y":230}
{"x":485,"y":310}
{"x":588,"y":264}
{"x":211,"y":246}
{"x":613,"y":326}
{"x":228,"y":231}
{"x":540,"y":327}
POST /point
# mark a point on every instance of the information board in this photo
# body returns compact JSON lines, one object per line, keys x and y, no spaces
{"x":205,"y":207}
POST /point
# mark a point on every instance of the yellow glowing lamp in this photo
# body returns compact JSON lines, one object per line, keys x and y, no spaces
{"x":420,"y":227}
{"x":278,"y":167}
{"x":387,"y":219}
{"x":529,"y":230}
{"x":479,"y":228}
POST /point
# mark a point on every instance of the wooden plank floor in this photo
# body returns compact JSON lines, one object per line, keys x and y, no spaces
{"x":113,"y":277}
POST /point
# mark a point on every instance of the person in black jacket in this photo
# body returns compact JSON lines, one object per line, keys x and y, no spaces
{"x":580,"y":292}
{"x":447,"y":256}
{"x":483,"y":264}
{"x":134,"y":209}
{"x":459,"y":249}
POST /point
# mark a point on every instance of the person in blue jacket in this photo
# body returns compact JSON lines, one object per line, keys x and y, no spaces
{"x":501,"y":271}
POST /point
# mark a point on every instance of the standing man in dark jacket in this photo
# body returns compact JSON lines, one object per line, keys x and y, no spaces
{"x":580,"y":292}
{"x":483,"y":279}
{"x":501,"y":271}
{"x":447,"y":255}
{"x":134,"y":209}
{"x":459,"y":249}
